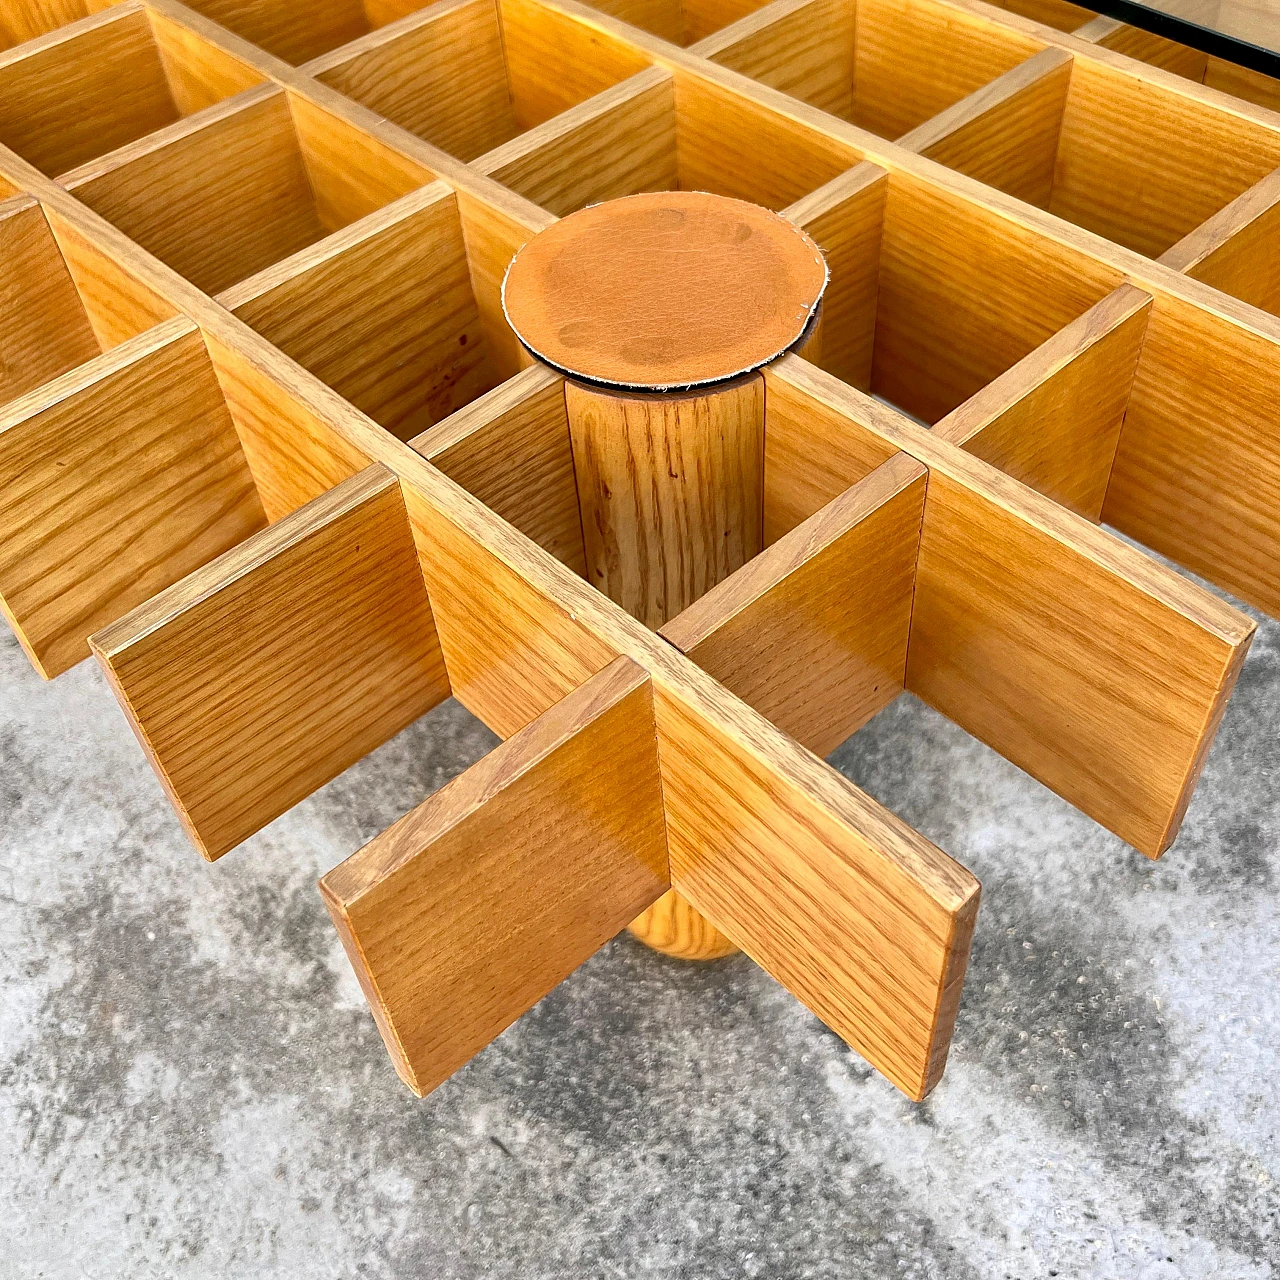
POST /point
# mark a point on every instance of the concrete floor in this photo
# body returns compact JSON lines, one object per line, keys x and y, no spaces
{"x":192,"y":1086}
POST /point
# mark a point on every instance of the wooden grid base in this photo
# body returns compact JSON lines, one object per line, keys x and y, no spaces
{"x":267,"y":439}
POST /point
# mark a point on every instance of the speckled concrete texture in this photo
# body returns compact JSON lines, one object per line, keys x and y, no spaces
{"x":191,"y":1084}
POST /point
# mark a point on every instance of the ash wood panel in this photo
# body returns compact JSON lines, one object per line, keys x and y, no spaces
{"x":736,"y":147}
{"x":511,"y":449}
{"x":266,"y":673}
{"x":22,"y":20}
{"x":619,"y":143}
{"x":1145,"y":46}
{"x":848,"y":908}
{"x":351,"y":173}
{"x":217,"y":197}
{"x":382,"y":311}
{"x":1241,"y":82}
{"x":465,"y":913}
{"x":199,"y":73}
{"x":118,"y":478}
{"x":44,"y":330}
{"x":813,"y":632}
{"x":702,"y":17}
{"x":908,"y":68}
{"x":554,"y":62}
{"x":964,"y":295}
{"x":290,"y":31}
{"x":800,"y":47}
{"x":118,"y":304}
{"x":845,"y":218}
{"x":663,"y":18}
{"x":1115,"y":176}
{"x":810,"y":459}
{"x":670,"y":490}
{"x":511,"y":649}
{"x":294,"y":453}
{"x":1059,"y":14}
{"x":864,"y":920}
{"x":84,"y":91}
{"x":1086,"y":663}
{"x":439,"y":73}
{"x":1235,"y":250}
{"x":1197,"y":471}
{"x":1006,"y":133}
{"x":1053,"y":421}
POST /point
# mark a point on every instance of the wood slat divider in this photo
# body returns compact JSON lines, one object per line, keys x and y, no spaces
{"x":511,"y":449}
{"x":382,"y":311}
{"x":845,"y":218}
{"x":1091,"y":666}
{"x":1006,"y":133}
{"x":1236,"y":249}
{"x":268,"y":671}
{"x":1053,"y":421}
{"x":801,"y":47}
{"x":465,"y":913}
{"x":439,"y":73}
{"x":1146,"y":46}
{"x":859,"y":916}
{"x":813,"y":631}
{"x":119,"y":478}
{"x":619,"y":143}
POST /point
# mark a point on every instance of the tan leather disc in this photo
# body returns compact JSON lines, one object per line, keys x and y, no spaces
{"x":676,"y":289}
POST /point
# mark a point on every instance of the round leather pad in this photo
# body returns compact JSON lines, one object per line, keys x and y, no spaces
{"x":666,"y":291}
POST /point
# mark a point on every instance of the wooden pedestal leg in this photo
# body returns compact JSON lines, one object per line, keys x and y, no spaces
{"x":671,"y":493}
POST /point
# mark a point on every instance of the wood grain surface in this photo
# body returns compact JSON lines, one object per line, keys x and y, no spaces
{"x":466,"y":912}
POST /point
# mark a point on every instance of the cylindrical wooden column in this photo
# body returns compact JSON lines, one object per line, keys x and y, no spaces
{"x":660,"y":309}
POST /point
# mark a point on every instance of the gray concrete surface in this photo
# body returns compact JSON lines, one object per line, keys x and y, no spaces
{"x":191,"y":1085}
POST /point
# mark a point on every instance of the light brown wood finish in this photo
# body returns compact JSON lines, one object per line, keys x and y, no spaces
{"x":292,"y":32}
{"x":466,"y":912}
{"x":1235,"y":250}
{"x":1110,"y":148}
{"x":1083,"y":661}
{"x":1053,"y":420}
{"x":813,"y":632}
{"x":119,"y":478}
{"x":845,"y":217}
{"x":511,"y":450}
{"x":802,"y":47}
{"x":261,"y":676}
{"x":1145,"y":46}
{"x":439,"y":73}
{"x":964,"y":295}
{"x":1006,"y":133}
{"x":84,"y":90}
{"x":860,"y":917}
{"x":22,"y":20}
{"x":199,"y":73}
{"x":670,"y":490}
{"x":382,"y":311}
{"x":618,"y":143}
{"x":908,"y":67}
{"x":44,"y":330}
{"x":218,"y":196}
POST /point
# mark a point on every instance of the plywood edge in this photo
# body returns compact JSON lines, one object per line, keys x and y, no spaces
{"x":205,"y":582}
{"x":728,"y":598}
{"x":999,"y":92}
{"x":1259,"y":201}
{"x":1035,"y":369}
